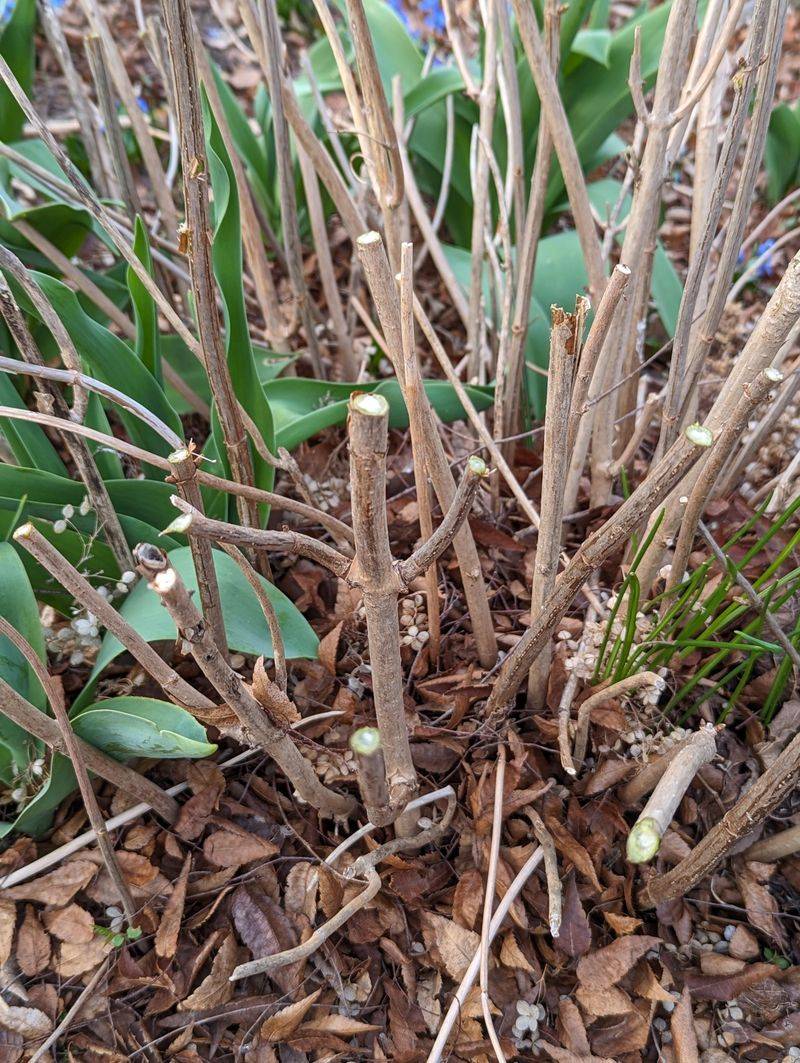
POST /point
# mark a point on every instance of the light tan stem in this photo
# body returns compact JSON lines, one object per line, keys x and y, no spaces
{"x":644,"y":782}
{"x":184,"y":473}
{"x":366,"y":744}
{"x":600,"y":697}
{"x":488,"y":899}
{"x":415,"y":400}
{"x":375,"y":574}
{"x":647,"y":832}
{"x":165,"y":581}
{"x":554,"y":892}
{"x":566,"y":699}
{"x":775,"y":847}
{"x":563,"y":346}
{"x":384,"y":294}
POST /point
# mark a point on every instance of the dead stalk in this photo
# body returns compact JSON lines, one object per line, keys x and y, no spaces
{"x":594,"y":550}
{"x":184,"y":473}
{"x":488,"y":899}
{"x":554,"y":892}
{"x":775,"y":847}
{"x":54,"y":692}
{"x":256,"y":725}
{"x":761,"y":799}
{"x":415,"y":401}
{"x":554,"y":114}
{"x":180,"y":38}
{"x":565,"y":702}
{"x":600,"y":697}
{"x":384,"y":294}
{"x":65,"y":574}
{"x":753,"y":394}
{"x":366,"y":744}
{"x":646,"y":834}
{"x":268,"y":609}
{"x":563,"y":347}
{"x":644,"y":782}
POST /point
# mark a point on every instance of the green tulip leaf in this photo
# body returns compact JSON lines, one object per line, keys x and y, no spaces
{"x":128,"y":727}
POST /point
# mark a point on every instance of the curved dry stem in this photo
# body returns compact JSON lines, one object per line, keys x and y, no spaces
{"x":625,"y":686}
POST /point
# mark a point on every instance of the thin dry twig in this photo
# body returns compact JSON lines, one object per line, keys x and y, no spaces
{"x":554,"y":891}
{"x":488,"y":899}
{"x":600,"y":697}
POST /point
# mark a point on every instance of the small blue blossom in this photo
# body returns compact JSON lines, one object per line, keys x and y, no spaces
{"x":434,"y":15}
{"x":765,"y":269}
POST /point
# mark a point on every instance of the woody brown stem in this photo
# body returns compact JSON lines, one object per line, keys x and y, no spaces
{"x":184,"y":473}
{"x":267,"y":608}
{"x":65,"y":574}
{"x":647,"y":832}
{"x":165,"y":581}
{"x":55,"y":695}
{"x":375,"y":574}
{"x":366,"y":744}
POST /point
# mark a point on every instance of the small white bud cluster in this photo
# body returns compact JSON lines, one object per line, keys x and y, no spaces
{"x":414,"y":621}
{"x":329,"y":493}
{"x":526,"y":1026}
{"x":333,"y":766}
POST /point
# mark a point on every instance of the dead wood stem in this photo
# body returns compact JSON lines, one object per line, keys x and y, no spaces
{"x":27,"y":716}
{"x":487,"y":105}
{"x":624,"y":686}
{"x":54,"y":692}
{"x":640,"y":429}
{"x":459,"y":50}
{"x":194,"y":164}
{"x":384,"y":294}
{"x":124,"y":186}
{"x":194,"y":523}
{"x":512,"y":110}
{"x":144,"y":137}
{"x":274,"y":324}
{"x":753,"y":394}
{"x":649,"y":829}
{"x":554,"y":114}
{"x":760,"y":800}
{"x":644,"y":782}
{"x":531,"y":231}
{"x":380,"y":585}
{"x":257,"y":728}
{"x":468,"y":980}
{"x":488,"y":900}
{"x":775,"y":846}
{"x":184,"y":474}
{"x":50,"y":397}
{"x":591,"y":554}
{"x":84,"y":111}
{"x":415,"y":401}
{"x":563,"y":347}
{"x":554,"y":892}
{"x":65,"y":574}
{"x":286,"y":188}
{"x":255,"y":494}
{"x":567,"y":697}
{"x":267,"y":608}
{"x":366,"y":744}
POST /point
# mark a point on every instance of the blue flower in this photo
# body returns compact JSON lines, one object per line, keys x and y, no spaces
{"x":434,"y":15}
{"x":765,"y":269}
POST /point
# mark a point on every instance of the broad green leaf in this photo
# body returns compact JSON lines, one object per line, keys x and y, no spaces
{"x":227,"y":259}
{"x":441,"y":82}
{"x":18,"y":606}
{"x":782,"y":156}
{"x":17,"y":48}
{"x":144,"y":308}
{"x":28,"y":442}
{"x":594,"y":44}
{"x":244,"y":621}
{"x":303,"y":407}
{"x":246,"y":141}
{"x":128,"y":727}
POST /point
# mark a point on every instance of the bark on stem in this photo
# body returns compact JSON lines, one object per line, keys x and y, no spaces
{"x":54,"y":692}
{"x":194,"y":165}
{"x":645,"y":837}
{"x":366,"y":744}
{"x":380,"y":585}
{"x":176,"y":688}
{"x":184,"y":473}
{"x":563,"y":346}
{"x":259,"y":731}
{"x":600,"y":545}
{"x":382,"y":286}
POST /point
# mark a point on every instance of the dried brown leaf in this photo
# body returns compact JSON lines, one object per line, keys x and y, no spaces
{"x":57,"y":887}
{"x":170,"y":925}
{"x":684,"y":1035}
{"x":602,"y":1002}
{"x":575,"y":935}
{"x":451,"y":946}
{"x":78,"y":958}
{"x":265,"y":930}
{"x":300,"y":891}
{"x":195,"y":813}
{"x":573,"y":851}
{"x":762,"y":908}
{"x":608,"y":965}
{"x":29,"y":1023}
{"x":573,"y":1031}
{"x":331,"y":891}
{"x":622,"y":924}
{"x":72,"y":924}
{"x":564,"y":1055}
{"x":511,"y":955}
{"x":216,"y":988}
{"x":280,"y":1026}
{"x":277,"y":704}
{"x":8,"y":920}
{"x":728,"y":987}
{"x":226,"y":849}
{"x":33,"y":945}
{"x":744,"y":944}
{"x":339,"y":1025}
{"x":468,"y":898}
